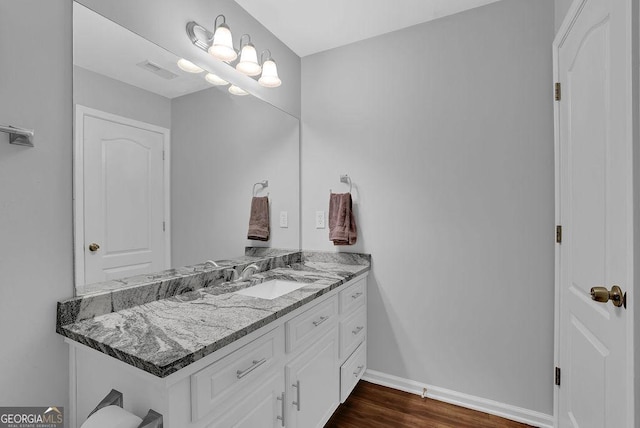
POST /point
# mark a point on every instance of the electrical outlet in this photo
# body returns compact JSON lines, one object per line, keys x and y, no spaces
{"x":320,"y":220}
{"x":284,"y":219}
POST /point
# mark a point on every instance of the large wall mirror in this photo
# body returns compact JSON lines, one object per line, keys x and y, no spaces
{"x":165,"y":163}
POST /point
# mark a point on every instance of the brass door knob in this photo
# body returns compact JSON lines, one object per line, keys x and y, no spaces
{"x":602,"y":295}
{"x":94,"y":247}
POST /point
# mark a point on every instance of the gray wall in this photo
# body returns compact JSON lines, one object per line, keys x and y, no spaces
{"x":163,"y":22}
{"x":35,"y":206}
{"x":220,"y":146}
{"x":475,"y":171}
{"x":446,"y":130}
{"x":561,"y":9}
{"x":113,"y":96}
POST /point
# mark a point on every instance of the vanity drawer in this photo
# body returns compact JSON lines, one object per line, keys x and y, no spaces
{"x":354,"y":296}
{"x":310,"y":324}
{"x":353,"y":330}
{"x":352,"y":370}
{"x":220,"y":382}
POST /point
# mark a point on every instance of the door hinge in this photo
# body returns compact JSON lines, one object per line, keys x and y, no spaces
{"x":164,"y":226}
{"x":558,"y":234}
{"x":557,"y":376}
{"x":558,"y":91}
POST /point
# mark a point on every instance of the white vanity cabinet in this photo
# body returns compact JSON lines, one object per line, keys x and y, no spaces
{"x":219,"y":386}
{"x":260,"y":407}
{"x":353,"y":335}
{"x":312,"y":384}
{"x":292,"y":372}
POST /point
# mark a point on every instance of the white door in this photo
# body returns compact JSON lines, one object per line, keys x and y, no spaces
{"x":313,"y":385}
{"x":594,"y":349}
{"x":121,"y":197}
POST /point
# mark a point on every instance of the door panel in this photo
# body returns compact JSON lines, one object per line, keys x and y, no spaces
{"x":594,"y":207}
{"x":316,"y":373}
{"x":124,"y":197}
{"x":587,"y":355}
{"x":132,"y":207}
{"x":262,"y":407}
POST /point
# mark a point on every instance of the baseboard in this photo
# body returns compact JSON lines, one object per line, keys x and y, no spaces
{"x":506,"y":411}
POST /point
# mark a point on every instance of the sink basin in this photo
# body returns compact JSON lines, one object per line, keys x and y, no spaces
{"x":271,"y":289}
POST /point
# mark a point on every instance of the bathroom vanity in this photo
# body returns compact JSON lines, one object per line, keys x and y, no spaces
{"x":190,"y":342}
{"x":205,"y":355}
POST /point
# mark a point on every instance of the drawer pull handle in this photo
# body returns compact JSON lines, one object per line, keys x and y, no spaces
{"x":256,"y":363}
{"x":357,"y":330}
{"x":357,"y":372}
{"x":297,"y":402}
{"x":320,"y":321}
{"x":355,"y":296}
{"x":281,"y":418}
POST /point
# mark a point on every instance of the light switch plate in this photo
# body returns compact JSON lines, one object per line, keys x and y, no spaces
{"x":320,"y":220}
{"x":284,"y":219}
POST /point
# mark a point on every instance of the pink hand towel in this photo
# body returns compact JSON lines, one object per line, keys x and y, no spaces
{"x":342,"y":223}
{"x":259,"y":219}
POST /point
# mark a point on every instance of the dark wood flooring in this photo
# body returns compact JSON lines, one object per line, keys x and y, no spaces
{"x":374,"y":406}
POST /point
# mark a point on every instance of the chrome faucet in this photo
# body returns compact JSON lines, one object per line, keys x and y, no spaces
{"x":246,"y":272}
{"x":210,"y":263}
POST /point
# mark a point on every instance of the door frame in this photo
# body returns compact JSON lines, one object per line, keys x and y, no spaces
{"x":78,"y":182}
{"x":633,"y":125}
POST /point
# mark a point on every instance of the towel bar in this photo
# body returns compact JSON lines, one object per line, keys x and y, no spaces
{"x":19,"y":136}
{"x":263,"y":183}
{"x":344,"y":178}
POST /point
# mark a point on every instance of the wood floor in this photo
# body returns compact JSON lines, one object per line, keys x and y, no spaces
{"x":374,"y":406}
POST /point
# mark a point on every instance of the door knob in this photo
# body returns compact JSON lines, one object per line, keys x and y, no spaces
{"x":602,"y":295}
{"x":94,"y":247}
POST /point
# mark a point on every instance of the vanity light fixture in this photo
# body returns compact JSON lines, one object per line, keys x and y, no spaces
{"x":269,"y":78}
{"x":188,"y":66}
{"x":236,"y":90}
{"x":222,"y":43}
{"x":248,"y":58}
{"x":215,"y":79}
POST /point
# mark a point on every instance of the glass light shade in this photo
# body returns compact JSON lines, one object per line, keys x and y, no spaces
{"x":215,"y":80}
{"x":222,"y":46}
{"x":269,"y":78}
{"x":249,"y":61}
{"x":188,"y":66}
{"x":235,"y":90}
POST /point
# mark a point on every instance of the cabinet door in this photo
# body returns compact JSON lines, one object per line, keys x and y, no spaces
{"x":313,"y":384}
{"x":262,"y":407}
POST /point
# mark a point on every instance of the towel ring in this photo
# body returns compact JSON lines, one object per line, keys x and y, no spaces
{"x":344,"y":178}
{"x":263,"y":183}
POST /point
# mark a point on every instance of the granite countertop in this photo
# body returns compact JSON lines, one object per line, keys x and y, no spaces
{"x":163,"y":336}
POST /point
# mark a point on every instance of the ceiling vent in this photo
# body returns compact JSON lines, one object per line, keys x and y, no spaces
{"x":157,"y":70}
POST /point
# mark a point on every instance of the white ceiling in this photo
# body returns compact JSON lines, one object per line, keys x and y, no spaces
{"x":105,"y":47}
{"x":310,"y":26}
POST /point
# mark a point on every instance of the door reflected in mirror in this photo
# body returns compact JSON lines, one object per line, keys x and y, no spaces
{"x":165,"y":161}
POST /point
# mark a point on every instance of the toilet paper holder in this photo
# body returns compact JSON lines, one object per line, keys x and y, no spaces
{"x":153,"y":419}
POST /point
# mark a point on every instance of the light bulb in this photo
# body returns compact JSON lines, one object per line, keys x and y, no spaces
{"x":249,"y":61}
{"x":222,"y":46}
{"x":215,"y":80}
{"x":269,"y":78}
{"x":188,"y":66}
{"x":235,"y":90}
